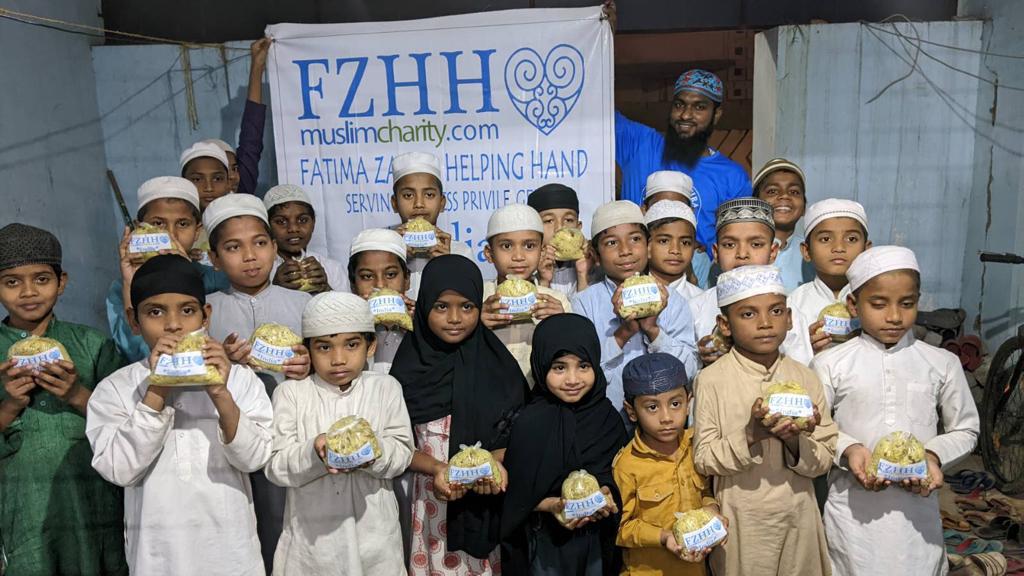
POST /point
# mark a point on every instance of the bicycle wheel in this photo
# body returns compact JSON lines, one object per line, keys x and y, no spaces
{"x":1002,"y":418}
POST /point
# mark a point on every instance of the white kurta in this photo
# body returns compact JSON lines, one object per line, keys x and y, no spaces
{"x":704,"y":309}
{"x":337,"y":272}
{"x":874,"y":391}
{"x":344,"y":523}
{"x":187,"y":500}
{"x":685,"y":289}
{"x":810,"y":298}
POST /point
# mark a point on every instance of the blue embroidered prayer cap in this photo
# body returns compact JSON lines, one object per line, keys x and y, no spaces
{"x":702,"y":82}
{"x":653,"y":374}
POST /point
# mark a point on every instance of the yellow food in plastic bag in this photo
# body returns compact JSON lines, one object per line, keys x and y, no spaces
{"x":388,"y":308}
{"x":839,"y":324}
{"x":519,"y":295}
{"x":461,"y":466}
{"x":641,"y":297}
{"x":792,"y":399}
{"x":579,"y":485}
{"x":420,"y":235}
{"x":899,"y":448}
{"x":720,"y":342}
{"x":570,"y":244}
{"x":144,"y":229}
{"x":271,"y":346}
{"x":187,"y":366}
{"x":36,"y":350}
{"x":692,"y":521}
{"x":351,"y":443}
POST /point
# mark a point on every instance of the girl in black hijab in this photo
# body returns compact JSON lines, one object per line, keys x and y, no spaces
{"x":461,"y":387}
{"x":569,"y":425}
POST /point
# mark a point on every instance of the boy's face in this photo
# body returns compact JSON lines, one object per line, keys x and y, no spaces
{"x":758,"y":324}
{"x":515,"y":253}
{"x":833,"y":244}
{"x":175,"y":216}
{"x":292,"y":225}
{"x":570,"y":378}
{"x":379,"y":269}
{"x":622,"y":251}
{"x":245,"y":252}
{"x":418,"y":196}
{"x":557,"y":218}
{"x":660,"y":416}
{"x":671,"y":247}
{"x":785,"y":192}
{"x":340,"y":358}
{"x":168,"y":314}
{"x":233,"y":176}
{"x":210,"y":178}
{"x":667,"y":195}
{"x":887,"y":305}
{"x":453,"y":317}
{"x":30,"y":292}
{"x":743,"y":243}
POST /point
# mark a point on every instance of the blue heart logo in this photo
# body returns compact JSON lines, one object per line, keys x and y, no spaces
{"x":545,"y":89}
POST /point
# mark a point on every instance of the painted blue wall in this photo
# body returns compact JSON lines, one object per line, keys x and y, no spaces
{"x":52,"y":165}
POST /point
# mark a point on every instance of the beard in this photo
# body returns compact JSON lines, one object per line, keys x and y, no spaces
{"x":686,"y":151}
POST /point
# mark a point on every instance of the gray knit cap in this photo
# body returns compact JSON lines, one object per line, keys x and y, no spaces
{"x":21,"y":244}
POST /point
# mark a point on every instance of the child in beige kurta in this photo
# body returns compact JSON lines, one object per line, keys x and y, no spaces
{"x":763,"y":487}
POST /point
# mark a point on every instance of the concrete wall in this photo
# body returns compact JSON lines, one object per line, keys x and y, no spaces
{"x":993,"y":293}
{"x":52,"y":166}
{"x":904,"y":154}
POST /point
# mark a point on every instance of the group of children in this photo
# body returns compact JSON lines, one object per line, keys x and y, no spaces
{"x":104,"y":472}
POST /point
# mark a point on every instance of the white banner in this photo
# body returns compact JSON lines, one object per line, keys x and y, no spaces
{"x":508,"y":101}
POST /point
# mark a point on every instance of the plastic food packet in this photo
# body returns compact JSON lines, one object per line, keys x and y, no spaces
{"x":304,"y":283}
{"x":472,"y":463}
{"x":898,"y":456}
{"x":35,"y":351}
{"x":186,"y":367}
{"x":519,"y":295}
{"x":790,"y":399}
{"x":420,"y":235}
{"x":149,"y":240}
{"x":582,"y":495}
{"x":720,"y":342}
{"x":271,"y":346}
{"x":351,"y":443}
{"x":202,"y":244}
{"x":641,"y":297}
{"x":388,"y":308}
{"x":839,"y":324}
{"x":570,"y":244}
{"x":698,"y":529}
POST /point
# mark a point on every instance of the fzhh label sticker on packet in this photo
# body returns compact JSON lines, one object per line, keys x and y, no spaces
{"x":44,"y":357}
{"x":519,"y":304}
{"x":897,"y":472}
{"x":584,"y":507}
{"x":707,"y":536}
{"x":181,"y":364}
{"x":640,"y":294}
{"x":420,"y":239}
{"x":387,"y":304}
{"x":460,"y":475}
{"x":355,"y":460}
{"x":792,"y":405}
{"x":270,"y":354}
{"x":142,"y":243}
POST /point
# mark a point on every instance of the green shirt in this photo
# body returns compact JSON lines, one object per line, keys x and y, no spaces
{"x":57,"y":515}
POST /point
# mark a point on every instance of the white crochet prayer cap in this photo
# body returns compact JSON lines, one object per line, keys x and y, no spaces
{"x":879,"y":260}
{"x":514,"y":218}
{"x":168,"y":187}
{"x":414,"y":163}
{"x":675,"y":209}
{"x":747,"y":281}
{"x":336,"y":313}
{"x":744,"y":210}
{"x":833,"y":208}
{"x":203,"y":150}
{"x":285,"y":193}
{"x":669,"y":181}
{"x":224,"y":146}
{"x":232,"y":205}
{"x":378,"y":239}
{"x":614,"y":213}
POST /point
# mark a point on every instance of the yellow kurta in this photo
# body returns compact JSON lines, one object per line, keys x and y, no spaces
{"x":766,"y":493}
{"x":655,"y":486}
{"x":518,"y":336}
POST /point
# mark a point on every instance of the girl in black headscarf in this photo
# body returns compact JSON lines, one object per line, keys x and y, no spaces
{"x":570,"y":425}
{"x":461,"y":387}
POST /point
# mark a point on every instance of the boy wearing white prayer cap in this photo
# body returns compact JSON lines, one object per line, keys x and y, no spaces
{"x":292,"y":219}
{"x":418,"y":193}
{"x":836,"y":232}
{"x":764,"y":463}
{"x":677,"y":186}
{"x":377,"y":262}
{"x":341,"y":516}
{"x":673,"y":241}
{"x":206,"y":165}
{"x":880,"y":382}
{"x":619,"y":239}
{"x":515,"y":239}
